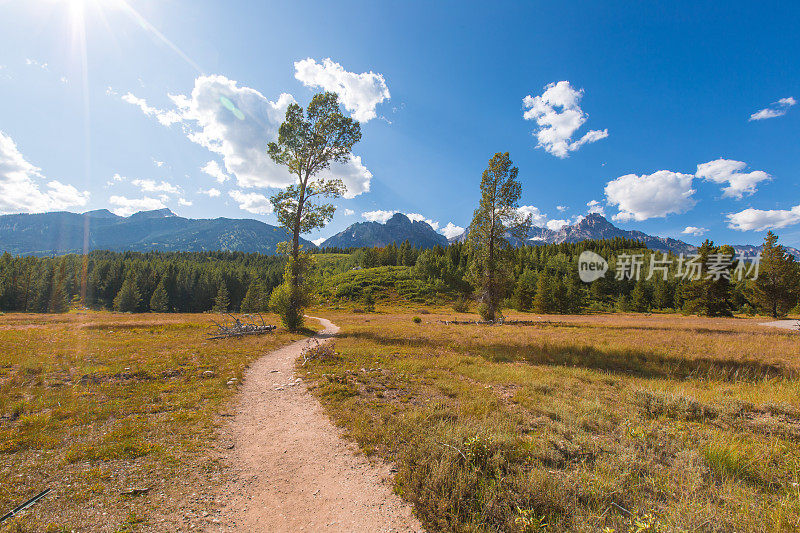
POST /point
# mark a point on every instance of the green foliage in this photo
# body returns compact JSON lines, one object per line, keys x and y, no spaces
{"x":128,"y":298}
{"x":708,"y":295}
{"x":416,"y":320}
{"x":222,"y":301}
{"x":290,"y":299}
{"x":776,"y":289}
{"x":495,"y":223}
{"x":255,"y":300}
{"x":159,"y":302}
{"x":307,"y":145}
{"x":369,"y":301}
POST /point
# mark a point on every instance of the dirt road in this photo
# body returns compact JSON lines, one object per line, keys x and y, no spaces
{"x":294,"y":471}
{"x":784,"y":324}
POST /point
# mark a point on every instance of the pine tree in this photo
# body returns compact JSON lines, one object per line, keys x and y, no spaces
{"x":159,"y":302}
{"x":775,"y":291}
{"x":254,"y":301}
{"x":128,"y":297}
{"x":708,"y":295}
{"x":640,"y":297}
{"x":544,"y":301}
{"x":59,"y":302}
{"x":222,"y":302}
{"x":369,"y":300}
{"x":495,"y":224}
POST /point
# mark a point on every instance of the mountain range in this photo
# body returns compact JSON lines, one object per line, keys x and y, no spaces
{"x":595,"y":226}
{"x":161,"y":230}
{"x":62,"y":232}
{"x":397,"y":229}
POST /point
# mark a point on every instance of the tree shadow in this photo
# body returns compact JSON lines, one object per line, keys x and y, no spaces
{"x":639,"y":363}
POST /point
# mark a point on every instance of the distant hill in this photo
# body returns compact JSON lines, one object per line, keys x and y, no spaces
{"x":63,"y":232}
{"x":596,"y":227}
{"x":397,"y":229}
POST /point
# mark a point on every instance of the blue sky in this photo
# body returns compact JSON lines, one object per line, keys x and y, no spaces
{"x":646,"y":110}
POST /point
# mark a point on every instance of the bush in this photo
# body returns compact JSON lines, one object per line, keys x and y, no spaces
{"x":461,"y":305}
{"x":416,"y":320}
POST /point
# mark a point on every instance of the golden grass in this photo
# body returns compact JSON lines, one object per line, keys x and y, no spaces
{"x":94,"y":403}
{"x":625,"y":422}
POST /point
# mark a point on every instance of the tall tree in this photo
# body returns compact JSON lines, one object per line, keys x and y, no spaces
{"x":307,"y":145}
{"x":222,"y":301}
{"x":159,"y":302}
{"x":707,"y":291}
{"x":496,"y":222}
{"x":775,"y":290}
{"x":128,"y":297}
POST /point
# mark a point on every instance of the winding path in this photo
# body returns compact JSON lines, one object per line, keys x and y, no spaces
{"x":294,"y":471}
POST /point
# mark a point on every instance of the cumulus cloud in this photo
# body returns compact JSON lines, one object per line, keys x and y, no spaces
{"x":349,"y":212}
{"x":416,"y":217}
{"x":153,"y":187}
{"x":184,"y":202}
{"x":558,"y":116}
{"x":24,"y":189}
{"x":252,"y":202}
{"x":775,"y":109}
{"x":694,"y":230}
{"x":730,"y":172}
{"x":128,"y":206}
{"x":647,"y":196}
{"x":211,"y":193}
{"x":537,"y":217}
{"x":378,"y":215}
{"x":237,"y":123}
{"x":562,"y":208}
{"x":213,"y":169}
{"x":555,"y":225}
{"x":595,"y":207}
{"x":359,"y":93}
{"x":760,"y":220}
{"x":451,"y":230}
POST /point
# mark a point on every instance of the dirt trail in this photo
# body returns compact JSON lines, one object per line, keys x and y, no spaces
{"x":294,"y":471}
{"x":784,"y":324}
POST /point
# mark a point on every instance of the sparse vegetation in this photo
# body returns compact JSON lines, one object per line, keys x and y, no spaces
{"x":94,"y":403}
{"x":605,"y":423}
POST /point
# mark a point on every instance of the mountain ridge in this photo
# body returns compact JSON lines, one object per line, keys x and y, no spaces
{"x":62,"y":232}
{"x":397,"y":229}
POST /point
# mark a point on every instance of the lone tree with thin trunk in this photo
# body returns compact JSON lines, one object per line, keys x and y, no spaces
{"x":307,"y":145}
{"x":776,"y":288}
{"x":496,"y":224}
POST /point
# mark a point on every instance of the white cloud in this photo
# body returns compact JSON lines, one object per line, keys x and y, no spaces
{"x":359,"y":93}
{"x":694,"y":230}
{"x":22,"y":187}
{"x":349,"y":212}
{"x":555,"y":225}
{"x":166,"y":118}
{"x":237,"y":123}
{"x":760,"y":220}
{"x":595,"y":207}
{"x":319,"y":241}
{"x":537,"y":217}
{"x":451,"y":230}
{"x":252,"y":202}
{"x":34,"y":63}
{"x":211,"y":193}
{"x":562,"y":208}
{"x":416,"y":217}
{"x":775,"y":109}
{"x":128,"y":206}
{"x":647,"y":196}
{"x":213,"y":169}
{"x":152,"y":186}
{"x":378,"y":215}
{"x":558,"y":114}
{"x":184,"y":202}
{"x":158,"y":163}
{"x":729,"y":171}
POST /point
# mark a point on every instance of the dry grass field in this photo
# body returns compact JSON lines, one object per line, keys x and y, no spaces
{"x":96,"y":403}
{"x":578,"y":423}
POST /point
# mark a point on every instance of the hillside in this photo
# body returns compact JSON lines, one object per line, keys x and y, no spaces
{"x":162,"y":230}
{"x":396,"y":230}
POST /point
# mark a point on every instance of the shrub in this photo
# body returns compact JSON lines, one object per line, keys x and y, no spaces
{"x":416,"y":320}
{"x":461,"y":305}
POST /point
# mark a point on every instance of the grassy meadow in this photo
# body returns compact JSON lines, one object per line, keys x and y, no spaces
{"x":626,"y":422}
{"x":96,"y":403}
